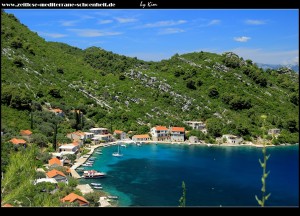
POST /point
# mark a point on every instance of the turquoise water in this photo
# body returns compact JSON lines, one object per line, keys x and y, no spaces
{"x":151,"y":175}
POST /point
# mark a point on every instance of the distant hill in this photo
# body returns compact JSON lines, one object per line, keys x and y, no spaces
{"x":228,"y":93}
{"x":294,"y":67}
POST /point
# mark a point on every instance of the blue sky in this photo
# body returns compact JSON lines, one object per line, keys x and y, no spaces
{"x":264,"y":36}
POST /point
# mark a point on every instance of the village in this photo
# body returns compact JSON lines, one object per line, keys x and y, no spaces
{"x":84,"y":143}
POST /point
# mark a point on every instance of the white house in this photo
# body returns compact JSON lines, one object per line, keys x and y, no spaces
{"x":193,"y":139}
{"x":160,"y":133}
{"x":141,"y":137}
{"x":99,"y":131}
{"x":232,"y":139}
{"x":274,"y":132}
{"x":121,"y":133}
{"x":49,"y":180}
{"x":77,"y":135}
{"x":104,"y":137}
{"x":196,"y":125}
{"x":68,"y":149}
{"x":177,"y":134}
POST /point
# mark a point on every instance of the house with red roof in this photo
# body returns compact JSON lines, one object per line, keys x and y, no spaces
{"x":72,"y":198}
{"x":177,"y":134}
{"x":120,"y":133}
{"x":26,"y":134}
{"x":7,"y":205}
{"x":141,"y":137}
{"x":55,"y":162}
{"x":18,"y":142}
{"x":57,"y":175}
{"x":58,"y":112}
{"x":160,"y":133}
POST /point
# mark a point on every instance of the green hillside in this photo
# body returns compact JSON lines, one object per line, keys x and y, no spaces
{"x":227,"y":92}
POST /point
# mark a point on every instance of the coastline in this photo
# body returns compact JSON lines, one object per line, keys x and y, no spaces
{"x":82,"y":159}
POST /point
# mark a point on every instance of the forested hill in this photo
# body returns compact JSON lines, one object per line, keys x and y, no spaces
{"x":227,"y":92}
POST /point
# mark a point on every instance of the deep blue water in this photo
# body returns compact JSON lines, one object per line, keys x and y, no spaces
{"x":151,"y":175}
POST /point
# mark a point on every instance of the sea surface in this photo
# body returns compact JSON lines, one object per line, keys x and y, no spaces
{"x":152,"y":175}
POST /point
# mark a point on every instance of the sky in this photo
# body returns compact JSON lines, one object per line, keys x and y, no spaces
{"x":264,"y":36}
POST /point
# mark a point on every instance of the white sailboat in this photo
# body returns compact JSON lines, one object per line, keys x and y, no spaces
{"x":117,"y":154}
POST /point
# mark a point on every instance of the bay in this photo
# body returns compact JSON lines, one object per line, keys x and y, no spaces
{"x":152,"y":175}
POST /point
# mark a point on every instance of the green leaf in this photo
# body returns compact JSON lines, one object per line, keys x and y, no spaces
{"x":259,"y":201}
{"x":267,"y":197}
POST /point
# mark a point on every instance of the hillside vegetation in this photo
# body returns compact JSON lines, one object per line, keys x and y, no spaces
{"x":227,"y":92}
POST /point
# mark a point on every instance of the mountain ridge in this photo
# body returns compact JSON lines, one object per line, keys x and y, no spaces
{"x":120,"y":92}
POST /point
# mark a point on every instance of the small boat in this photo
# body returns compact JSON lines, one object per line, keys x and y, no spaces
{"x":87,"y":165}
{"x":139,"y":144}
{"x":80,"y":169}
{"x":89,"y":174}
{"x":113,"y":197}
{"x":123,"y":145}
{"x":100,"y":153}
{"x":98,"y":187}
{"x":96,"y":184}
{"x":117,"y":154}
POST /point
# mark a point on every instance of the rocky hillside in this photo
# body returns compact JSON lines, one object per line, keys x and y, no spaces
{"x":119,"y":92}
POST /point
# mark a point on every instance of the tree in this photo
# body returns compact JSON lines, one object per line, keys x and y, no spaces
{"x":191,"y":84}
{"x":214,"y":127}
{"x":54,"y":144}
{"x":54,"y":93}
{"x":213,"y":92}
{"x":122,"y":77}
{"x":182,"y":198}
{"x":39,"y":139}
{"x":22,"y":164}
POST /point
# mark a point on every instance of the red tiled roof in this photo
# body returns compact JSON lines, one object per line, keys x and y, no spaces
{"x":177,"y":129}
{"x":54,"y":161}
{"x":118,"y":131}
{"x":17,"y":141}
{"x":140,"y":136}
{"x":161,"y":128}
{"x":25,"y":132}
{"x":57,"y":110}
{"x":75,"y":143}
{"x":68,"y":170}
{"x":73,"y":197}
{"x":7,"y":205}
{"x":54,"y":172}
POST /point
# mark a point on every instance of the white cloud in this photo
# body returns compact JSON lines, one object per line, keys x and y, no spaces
{"x":242,"y":39}
{"x":255,"y":22}
{"x":69,"y":23}
{"x":93,"y":32}
{"x":164,"y":23}
{"x":171,"y":31}
{"x":125,"y":20}
{"x":52,"y":35}
{"x":268,"y":57}
{"x":105,"y":21}
{"x":214,"y":22}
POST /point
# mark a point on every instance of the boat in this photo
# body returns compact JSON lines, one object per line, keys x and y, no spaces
{"x":139,"y":144}
{"x":87,"y":165}
{"x":96,"y":184}
{"x":80,"y":169}
{"x":89,"y":174}
{"x":100,"y":153}
{"x":123,"y":145}
{"x":117,"y":154}
{"x":98,"y":187}
{"x":113,"y":197}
